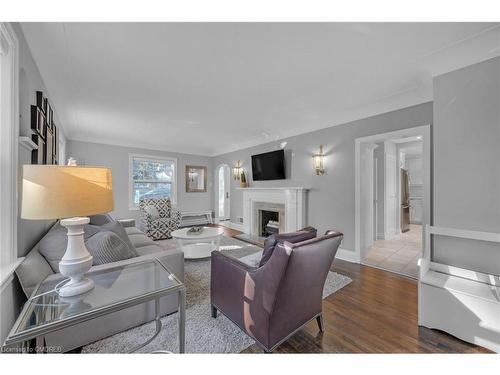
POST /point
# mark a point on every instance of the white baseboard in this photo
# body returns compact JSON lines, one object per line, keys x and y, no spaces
{"x":347,"y":255}
{"x":230,"y":224}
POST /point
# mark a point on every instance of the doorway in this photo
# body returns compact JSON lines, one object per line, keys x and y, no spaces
{"x":392,"y":199}
{"x":222,"y":178}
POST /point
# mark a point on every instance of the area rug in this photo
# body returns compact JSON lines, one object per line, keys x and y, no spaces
{"x":203,"y":333}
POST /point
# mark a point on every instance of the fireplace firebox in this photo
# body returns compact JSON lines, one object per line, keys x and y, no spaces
{"x":269,"y":222}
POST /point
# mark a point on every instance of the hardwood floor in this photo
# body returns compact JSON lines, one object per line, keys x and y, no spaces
{"x":376,"y":313}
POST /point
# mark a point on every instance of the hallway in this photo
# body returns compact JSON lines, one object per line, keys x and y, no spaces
{"x":399,"y":253}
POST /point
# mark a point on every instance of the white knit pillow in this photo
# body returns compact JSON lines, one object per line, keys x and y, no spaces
{"x":152,"y":211}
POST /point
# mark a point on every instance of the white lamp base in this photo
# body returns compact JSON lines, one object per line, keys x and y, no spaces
{"x":73,"y":289}
{"x":76,"y":260}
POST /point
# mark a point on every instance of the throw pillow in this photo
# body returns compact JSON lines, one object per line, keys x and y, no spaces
{"x":293,"y":237}
{"x":107,"y":247}
{"x":153,"y":212}
{"x":53,"y":245}
{"x":118,"y":229}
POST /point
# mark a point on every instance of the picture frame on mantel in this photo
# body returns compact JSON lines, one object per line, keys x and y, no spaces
{"x":196,"y":179}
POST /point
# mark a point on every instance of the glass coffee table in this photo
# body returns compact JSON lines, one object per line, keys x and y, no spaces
{"x":116,"y":288}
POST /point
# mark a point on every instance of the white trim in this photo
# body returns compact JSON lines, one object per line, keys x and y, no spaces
{"x":465,"y":273}
{"x":463,"y":233}
{"x":231,"y":225}
{"x":424,"y":131}
{"x":458,"y":271}
{"x":9,"y":151}
{"x":27,"y":143}
{"x":131,"y":205}
{"x":8,"y":273}
{"x":347,"y":255}
{"x":299,"y":188}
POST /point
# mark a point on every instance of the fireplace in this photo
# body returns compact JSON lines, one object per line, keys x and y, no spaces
{"x":289,"y":202}
{"x":269,"y":218}
{"x":269,"y":223}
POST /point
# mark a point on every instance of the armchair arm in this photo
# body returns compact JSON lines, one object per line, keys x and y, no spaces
{"x":176,"y":216}
{"x":246,"y":294}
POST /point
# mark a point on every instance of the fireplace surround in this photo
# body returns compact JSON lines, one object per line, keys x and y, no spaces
{"x":289,"y":202}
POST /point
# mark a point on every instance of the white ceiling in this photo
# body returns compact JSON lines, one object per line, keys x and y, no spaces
{"x":210,"y":88}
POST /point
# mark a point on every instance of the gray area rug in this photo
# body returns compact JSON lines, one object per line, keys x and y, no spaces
{"x":203,"y":333}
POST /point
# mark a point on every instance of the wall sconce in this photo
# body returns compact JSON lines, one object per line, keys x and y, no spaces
{"x":237,"y":171}
{"x":318,"y":162}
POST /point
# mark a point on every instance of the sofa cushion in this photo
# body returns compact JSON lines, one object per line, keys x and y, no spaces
{"x":293,"y":237}
{"x":100,"y":219}
{"x":107,"y":247}
{"x":53,"y":245}
{"x":133,"y":230}
{"x":140,"y":240}
{"x":150,"y":249}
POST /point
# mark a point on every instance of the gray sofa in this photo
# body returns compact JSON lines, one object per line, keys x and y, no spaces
{"x":35,"y":269}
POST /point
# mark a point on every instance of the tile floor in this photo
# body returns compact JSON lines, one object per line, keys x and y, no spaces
{"x":399,"y":253}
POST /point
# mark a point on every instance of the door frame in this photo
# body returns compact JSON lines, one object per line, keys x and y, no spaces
{"x":425,"y":132}
{"x":216,"y":193}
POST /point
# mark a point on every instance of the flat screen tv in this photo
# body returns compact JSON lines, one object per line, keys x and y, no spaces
{"x":268,"y":166}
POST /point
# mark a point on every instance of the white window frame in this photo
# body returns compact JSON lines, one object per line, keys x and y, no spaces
{"x":173,"y":198}
{"x":9,"y":134}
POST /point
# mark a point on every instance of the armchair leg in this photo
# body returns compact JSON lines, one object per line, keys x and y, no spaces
{"x":213,"y":311}
{"x":321,"y":324}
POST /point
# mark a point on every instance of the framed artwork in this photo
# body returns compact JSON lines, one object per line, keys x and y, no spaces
{"x":196,"y":179}
{"x":45,"y":133}
{"x":49,"y":146}
{"x":38,"y":155}
{"x":37,"y":121}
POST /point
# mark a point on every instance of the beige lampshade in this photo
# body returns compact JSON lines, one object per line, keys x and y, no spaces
{"x":56,"y":192}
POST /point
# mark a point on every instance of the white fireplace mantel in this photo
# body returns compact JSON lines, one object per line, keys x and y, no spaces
{"x":300,"y":188}
{"x":294,"y":199}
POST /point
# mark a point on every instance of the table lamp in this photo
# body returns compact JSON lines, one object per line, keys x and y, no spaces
{"x":69,"y":193}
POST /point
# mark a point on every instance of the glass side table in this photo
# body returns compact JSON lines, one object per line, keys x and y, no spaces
{"x":116,"y":288}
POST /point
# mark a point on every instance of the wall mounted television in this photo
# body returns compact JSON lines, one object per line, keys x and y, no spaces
{"x":269,"y":166}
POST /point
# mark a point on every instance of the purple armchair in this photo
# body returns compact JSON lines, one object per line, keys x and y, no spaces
{"x":272,"y":302}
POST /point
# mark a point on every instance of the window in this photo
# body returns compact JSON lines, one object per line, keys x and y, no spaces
{"x":152,"y":177}
{"x":9,"y":133}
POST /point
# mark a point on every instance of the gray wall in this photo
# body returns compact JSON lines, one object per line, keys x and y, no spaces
{"x":466,"y":163}
{"x":331,"y":199}
{"x":117,"y":158}
{"x":28,"y":231}
{"x":30,"y":81}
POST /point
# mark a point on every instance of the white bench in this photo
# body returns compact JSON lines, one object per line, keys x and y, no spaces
{"x":462,"y":302}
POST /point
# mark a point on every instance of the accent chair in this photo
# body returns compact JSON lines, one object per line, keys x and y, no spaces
{"x":158,"y":218}
{"x":273,"y":301}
